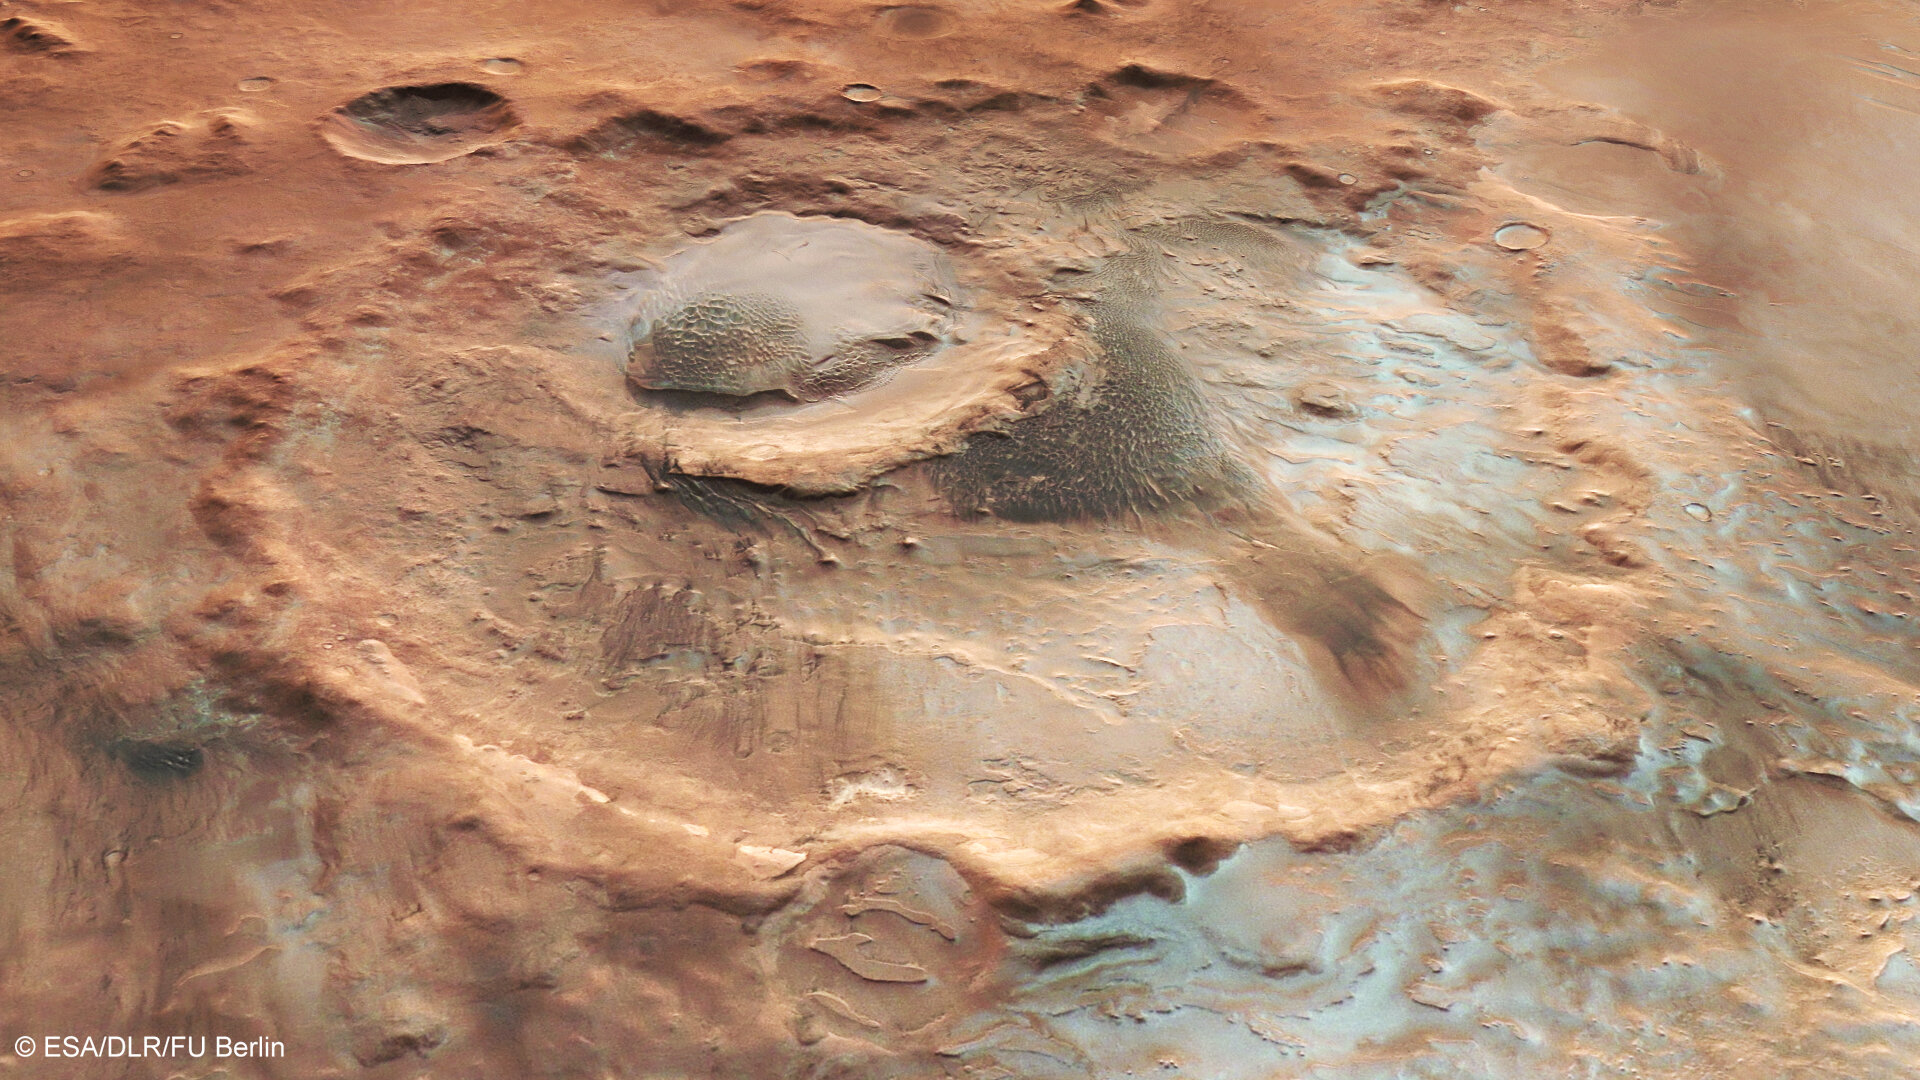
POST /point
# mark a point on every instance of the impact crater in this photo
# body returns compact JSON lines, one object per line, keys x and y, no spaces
{"x":419,"y":125}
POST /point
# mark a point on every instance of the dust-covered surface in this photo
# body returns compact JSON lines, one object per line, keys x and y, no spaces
{"x":1016,"y":538}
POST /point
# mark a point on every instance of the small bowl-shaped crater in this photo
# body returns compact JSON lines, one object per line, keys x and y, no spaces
{"x":419,"y":125}
{"x":917,"y":22}
{"x":1520,"y":236}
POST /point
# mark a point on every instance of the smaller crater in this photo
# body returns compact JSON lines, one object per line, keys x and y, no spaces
{"x":916,"y":22}
{"x":812,"y":354}
{"x":805,"y":308}
{"x":419,"y":125}
{"x":501,"y":65}
{"x":1100,"y":7}
{"x":1520,"y":236}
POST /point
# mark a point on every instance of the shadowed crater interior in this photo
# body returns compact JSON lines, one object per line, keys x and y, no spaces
{"x":419,"y":125}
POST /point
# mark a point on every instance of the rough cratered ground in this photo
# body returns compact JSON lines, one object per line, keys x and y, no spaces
{"x":1393,"y":556}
